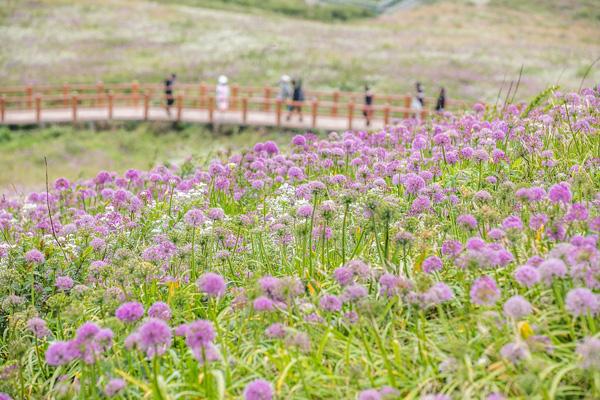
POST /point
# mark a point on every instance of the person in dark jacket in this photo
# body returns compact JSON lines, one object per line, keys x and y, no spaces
{"x":170,"y":99}
{"x":368,"y":111}
{"x":297,"y":99}
{"x":441,"y":101}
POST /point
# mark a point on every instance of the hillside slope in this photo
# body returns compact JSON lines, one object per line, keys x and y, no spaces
{"x":468,"y":47}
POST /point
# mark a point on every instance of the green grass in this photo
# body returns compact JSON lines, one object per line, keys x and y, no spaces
{"x":292,"y":8}
{"x":81,"y":153}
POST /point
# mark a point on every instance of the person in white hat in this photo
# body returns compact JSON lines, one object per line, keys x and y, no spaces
{"x":285,"y":88}
{"x":222,"y":93}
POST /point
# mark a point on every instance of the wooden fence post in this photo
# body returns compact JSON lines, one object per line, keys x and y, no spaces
{"x":336,"y":96}
{"x":38,"y":108}
{"x":2,"y":108}
{"x":100,"y":93}
{"x":135,"y":89}
{"x":386,"y":115}
{"x":211,"y":109}
{"x":278,"y":106}
{"x":267,"y":103}
{"x":74,"y":104}
{"x":350,"y":114}
{"x":66,"y":95}
{"x":110,"y":104}
{"x":146,"y":105}
{"x":407,"y":101}
{"x":244,"y":110}
{"x":202,"y":94}
{"x":234,"y":97}
{"x":179,"y":106}
{"x":29,"y":91}
{"x":314,"y":108}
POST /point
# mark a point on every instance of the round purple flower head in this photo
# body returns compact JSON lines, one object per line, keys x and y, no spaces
{"x":154,"y":337}
{"x":304,"y":211}
{"x":263,"y":303}
{"x":160,"y":310}
{"x":212,"y":284}
{"x":517,"y":307}
{"x":484,"y":291}
{"x":130,"y":312}
{"x":64,"y":283}
{"x":589,"y":351}
{"x":467,"y":220}
{"x":369,"y":394}
{"x":194,"y":217}
{"x":258,"y":389}
{"x":34,"y":256}
{"x":330,"y":303}
{"x":60,"y":353}
{"x":38,"y":327}
{"x":5,"y":396}
{"x":527,"y":276}
{"x":432,"y":264}
{"x":552,"y":268}
{"x":581,"y":302}
{"x":560,"y":193}
{"x":114,"y":386}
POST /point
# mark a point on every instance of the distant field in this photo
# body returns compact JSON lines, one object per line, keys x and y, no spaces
{"x":471,"y":47}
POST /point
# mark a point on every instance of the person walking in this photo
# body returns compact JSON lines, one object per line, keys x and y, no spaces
{"x":170,"y":99}
{"x":285,"y":88}
{"x":297,"y":99}
{"x":222,"y":93}
{"x":368,"y":110}
{"x":418,"y":101}
{"x":441,"y":101}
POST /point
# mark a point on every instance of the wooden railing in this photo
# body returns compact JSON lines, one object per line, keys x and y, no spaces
{"x":243,"y":101}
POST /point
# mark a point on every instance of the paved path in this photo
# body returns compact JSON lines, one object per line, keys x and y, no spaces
{"x":254,"y":118}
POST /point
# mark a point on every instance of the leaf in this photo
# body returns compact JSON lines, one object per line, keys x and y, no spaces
{"x":220,"y":379}
{"x":283,"y":375}
{"x":134,"y":381}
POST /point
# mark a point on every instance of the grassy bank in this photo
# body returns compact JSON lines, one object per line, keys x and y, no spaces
{"x":81,"y":153}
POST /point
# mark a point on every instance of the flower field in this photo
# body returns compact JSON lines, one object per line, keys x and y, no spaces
{"x":448,"y":259}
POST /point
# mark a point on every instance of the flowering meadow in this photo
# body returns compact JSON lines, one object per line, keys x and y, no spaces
{"x":452,"y":258}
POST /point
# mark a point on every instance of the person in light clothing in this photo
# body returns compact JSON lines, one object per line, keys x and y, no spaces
{"x":222,"y":93}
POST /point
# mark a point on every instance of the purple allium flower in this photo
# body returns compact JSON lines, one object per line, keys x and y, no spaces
{"x":467,"y":220}
{"x":436,"y":396}
{"x":304,"y":211}
{"x":552,"y":268}
{"x":451,"y":248}
{"x":514,"y":352}
{"x":64,"y":283}
{"x":38,"y":327}
{"x":496,"y":234}
{"x":484,"y":291}
{"x":581,"y":302}
{"x":495,"y":396}
{"x":130,"y":312}
{"x":114,"y":386}
{"x":212,"y":284}
{"x":589,"y":351}
{"x":438,"y":293}
{"x":354,"y":292}
{"x":258,"y":389}
{"x":275,"y":330}
{"x":527,"y":276}
{"x":34,"y":256}
{"x":216,"y":214}
{"x":5,"y":396}
{"x":205,"y":353}
{"x":369,"y":394}
{"x":154,"y":337}
{"x":59,"y":353}
{"x":343,"y":275}
{"x":263,"y":303}
{"x":512,"y":222}
{"x":432,"y":264}
{"x":517,"y":307}
{"x":199,"y":333}
{"x":160,"y":310}
{"x":561,"y":192}
{"x":299,"y":140}
{"x":330,"y":303}
{"x":194,"y":217}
